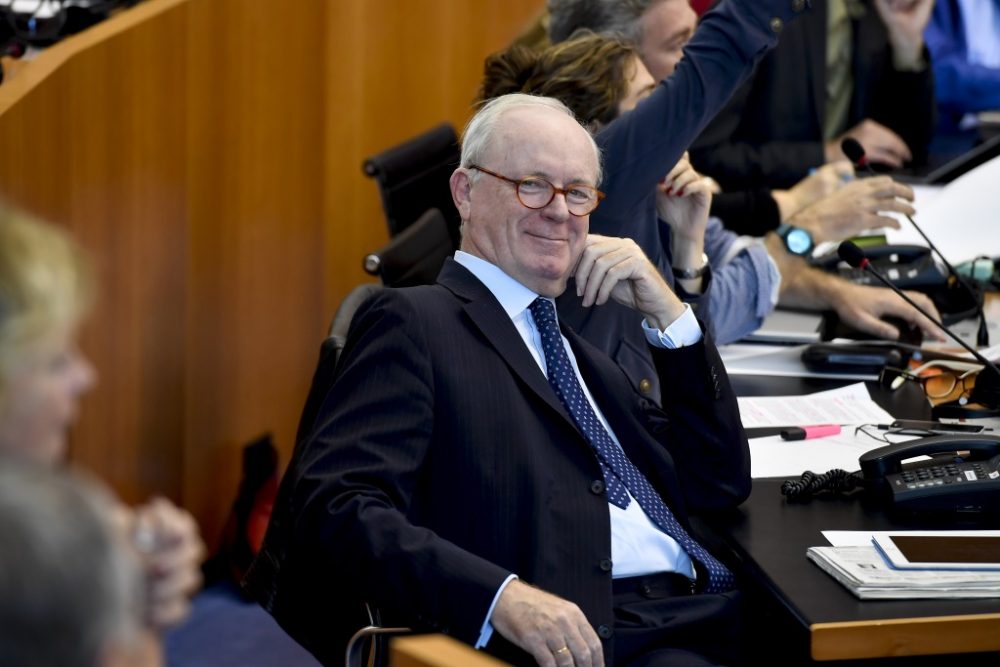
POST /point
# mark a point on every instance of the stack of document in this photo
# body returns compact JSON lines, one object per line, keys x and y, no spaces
{"x":865,"y":573}
{"x":883,"y":571}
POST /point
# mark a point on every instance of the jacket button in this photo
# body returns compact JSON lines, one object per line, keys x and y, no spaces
{"x":604,"y":632}
{"x":798,"y":5}
{"x":645,"y":386}
{"x":605,"y":564}
{"x":597,"y":487}
{"x":777,"y":25}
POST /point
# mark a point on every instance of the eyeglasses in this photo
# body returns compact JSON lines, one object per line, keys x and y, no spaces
{"x":940,"y":386}
{"x":534,"y":192}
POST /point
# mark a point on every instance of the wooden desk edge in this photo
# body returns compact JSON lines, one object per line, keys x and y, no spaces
{"x":436,"y":650}
{"x":932,"y":635}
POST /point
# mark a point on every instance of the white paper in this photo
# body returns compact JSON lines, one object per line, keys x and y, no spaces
{"x":848,"y":538}
{"x":961,"y":218}
{"x":846,"y":405}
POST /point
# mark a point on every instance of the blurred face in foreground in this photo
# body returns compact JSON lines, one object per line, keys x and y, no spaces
{"x":42,"y":395}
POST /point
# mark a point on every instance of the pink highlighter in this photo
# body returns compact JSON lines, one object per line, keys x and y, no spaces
{"x":809,"y":432}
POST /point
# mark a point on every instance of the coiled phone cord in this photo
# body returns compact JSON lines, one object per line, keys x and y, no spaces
{"x":810,"y":484}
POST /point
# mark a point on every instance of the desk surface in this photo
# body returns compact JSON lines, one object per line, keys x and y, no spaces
{"x":804,"y":612}
{"x":769,"y":538}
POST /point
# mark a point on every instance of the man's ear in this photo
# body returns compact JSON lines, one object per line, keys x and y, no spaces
{"x":461,"y":192}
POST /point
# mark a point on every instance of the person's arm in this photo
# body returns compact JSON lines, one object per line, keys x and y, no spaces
{"x":859,"y":306}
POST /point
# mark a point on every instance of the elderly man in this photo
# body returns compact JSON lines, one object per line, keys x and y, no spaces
{"x":480,"y":471}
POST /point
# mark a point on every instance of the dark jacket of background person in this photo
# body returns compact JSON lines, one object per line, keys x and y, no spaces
{"x":771,"y":133}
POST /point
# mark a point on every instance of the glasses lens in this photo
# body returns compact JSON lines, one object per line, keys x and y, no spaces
{"x":581,"y":199}
{"x":535,"y":192}
{"x":940,"y":385}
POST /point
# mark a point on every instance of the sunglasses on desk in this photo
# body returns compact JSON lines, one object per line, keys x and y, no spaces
{"x":942,"y":380}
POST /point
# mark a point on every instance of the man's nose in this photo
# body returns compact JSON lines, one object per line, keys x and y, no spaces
{"x":558,"y":208}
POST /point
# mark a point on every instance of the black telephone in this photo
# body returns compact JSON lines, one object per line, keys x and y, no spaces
{"x":907,"y":266}
{"x":963,"y":475}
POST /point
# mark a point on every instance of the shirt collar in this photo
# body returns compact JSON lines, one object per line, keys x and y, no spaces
{"x":512,"y":295}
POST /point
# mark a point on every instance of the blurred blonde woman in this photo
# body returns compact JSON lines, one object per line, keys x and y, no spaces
{"x":46,"y":288}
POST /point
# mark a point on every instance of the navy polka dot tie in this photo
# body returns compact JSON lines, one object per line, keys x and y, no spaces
{"x":619,"y":473}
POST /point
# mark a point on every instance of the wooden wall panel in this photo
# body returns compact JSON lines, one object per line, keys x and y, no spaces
{"x":208,"y":153}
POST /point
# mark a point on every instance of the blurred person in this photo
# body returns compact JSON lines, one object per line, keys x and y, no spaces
{"x":70,"y":585}
{"x":46,"y":288}
{"x":963,"y":37}
{"x":850,"y":68}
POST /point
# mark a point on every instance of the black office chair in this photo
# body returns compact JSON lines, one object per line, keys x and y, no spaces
{"x":413,"y":177}
{"x":415,"y":255}
{"x":273,"y":579}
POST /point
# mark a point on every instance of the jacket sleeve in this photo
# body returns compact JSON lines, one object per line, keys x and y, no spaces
{"x":960,"y":86}
{"x":705,"y":436}
{"x":358,"y":472}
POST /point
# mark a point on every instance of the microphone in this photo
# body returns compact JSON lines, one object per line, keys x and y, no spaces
{"x":856,"y":154}
{"x":987,"y":393}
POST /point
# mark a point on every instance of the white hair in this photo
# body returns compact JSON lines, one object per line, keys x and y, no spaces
{"x":479,"y":133}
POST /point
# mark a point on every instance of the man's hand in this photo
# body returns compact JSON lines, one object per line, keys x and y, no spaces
{"x":905,"y":21}
{"x":171,"y":551}
{"x":862,"y":306}
{"x":617,"y":269}
{"x":881,"y":144}
{"x":554,"y":631}
{"x":857,"y":206}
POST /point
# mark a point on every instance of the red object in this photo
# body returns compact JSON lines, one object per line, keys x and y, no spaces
{"x":701,"y":6}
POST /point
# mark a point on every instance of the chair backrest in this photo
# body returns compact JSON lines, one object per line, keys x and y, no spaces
{"x":413,"y":177}
{"x":415,"y":256}
{"x":329,"y":355}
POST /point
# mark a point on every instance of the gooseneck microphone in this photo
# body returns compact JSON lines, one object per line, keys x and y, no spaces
{"x":855,"y":256}
{"x":856,"y":154}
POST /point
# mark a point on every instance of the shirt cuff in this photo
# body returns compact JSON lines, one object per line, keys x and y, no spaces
{"x":681,"y":332}
{"x":487,"y":631}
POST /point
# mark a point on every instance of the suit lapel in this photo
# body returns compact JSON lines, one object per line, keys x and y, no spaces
{"x":497,"y":328}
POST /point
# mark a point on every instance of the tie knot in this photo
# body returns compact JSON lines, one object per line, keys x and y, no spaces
{"x":544,"y":313}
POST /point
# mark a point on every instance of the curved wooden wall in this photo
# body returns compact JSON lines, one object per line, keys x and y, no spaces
{"x":208,"y":154}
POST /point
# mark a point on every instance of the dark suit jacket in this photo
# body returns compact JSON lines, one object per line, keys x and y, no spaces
{"x":442,"y":461}
{"x":771,"y":132}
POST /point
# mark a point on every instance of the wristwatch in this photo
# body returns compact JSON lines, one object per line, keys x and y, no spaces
{"x":691,"y":274}
{"x":799,"y":241}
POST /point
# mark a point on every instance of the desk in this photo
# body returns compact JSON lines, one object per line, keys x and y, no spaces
{"x":798,"y":613}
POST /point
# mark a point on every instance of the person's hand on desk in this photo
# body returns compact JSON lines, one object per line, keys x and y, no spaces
{"x":862,"y":307}
{"x":858,"y":206}
{"x":554,"y":631}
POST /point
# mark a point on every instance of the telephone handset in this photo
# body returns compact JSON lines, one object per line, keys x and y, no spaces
{"x":907,"y":266}
{"x":963,"y":474}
